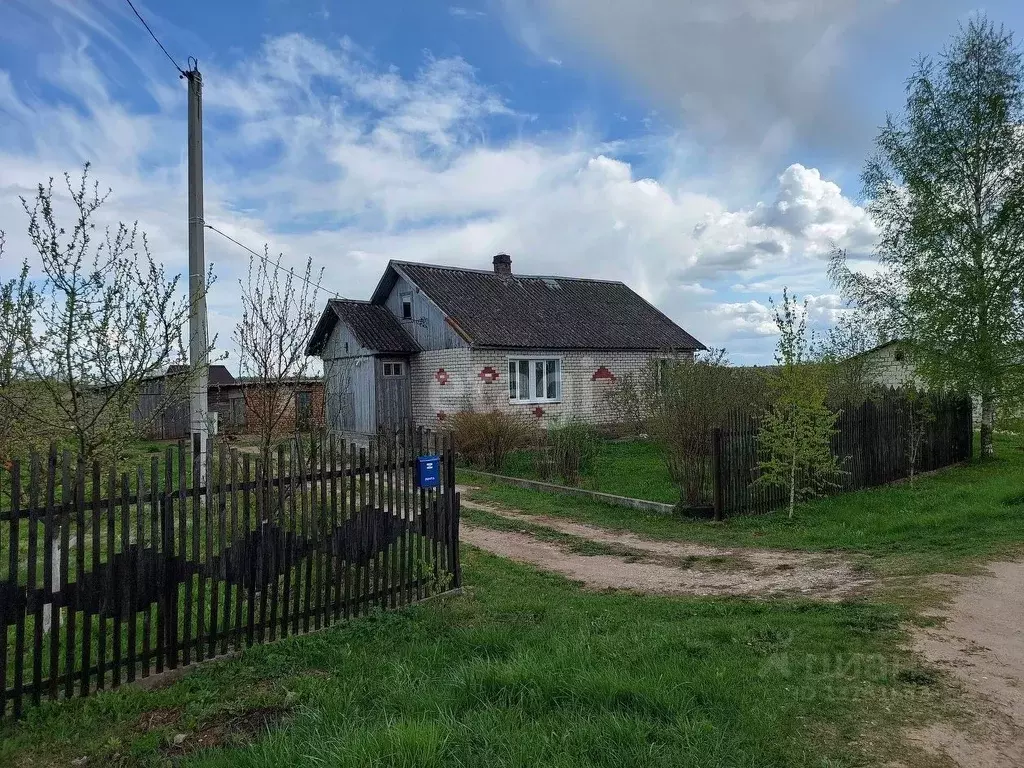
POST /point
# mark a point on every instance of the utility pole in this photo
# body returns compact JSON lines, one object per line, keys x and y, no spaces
{"x":198,"y":337}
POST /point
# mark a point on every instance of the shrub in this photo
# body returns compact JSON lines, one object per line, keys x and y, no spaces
{"x":572,"y":447}
{"x":485,"y":439}
{"x":678,"y":404}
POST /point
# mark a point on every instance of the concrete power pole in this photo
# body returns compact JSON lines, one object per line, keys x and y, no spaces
{"x":198,"y":337}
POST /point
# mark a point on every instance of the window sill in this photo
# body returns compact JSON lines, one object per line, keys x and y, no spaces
{"x":534,"y":402}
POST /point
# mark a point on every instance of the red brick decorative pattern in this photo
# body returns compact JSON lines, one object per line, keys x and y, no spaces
{"x":538,"y":412}
{"x":488,"y":374}
{"x":441,"y":376}
{"x":603,"y":373}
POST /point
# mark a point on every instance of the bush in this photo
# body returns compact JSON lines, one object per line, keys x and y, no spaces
{"x":485,"y":439}
{"x":572,"y":448}
{"x":679,"y":404}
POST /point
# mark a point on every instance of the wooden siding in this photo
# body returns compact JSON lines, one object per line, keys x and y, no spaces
{"x":351,"y":394}
{"x":428,"y":325}
{"x":335,"y":348}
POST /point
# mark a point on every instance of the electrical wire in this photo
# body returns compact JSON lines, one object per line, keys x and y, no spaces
{"x":155,"y":38}
{"x":271,"y":262}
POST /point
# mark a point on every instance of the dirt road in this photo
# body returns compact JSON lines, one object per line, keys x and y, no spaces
{"x":981,"y":644}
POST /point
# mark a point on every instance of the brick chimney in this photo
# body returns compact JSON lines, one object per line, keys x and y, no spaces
{"x":503,"y":264}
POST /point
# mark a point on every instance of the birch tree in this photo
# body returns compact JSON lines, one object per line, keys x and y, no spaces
{"x":946,"y":191}
{"x":795,"y":436}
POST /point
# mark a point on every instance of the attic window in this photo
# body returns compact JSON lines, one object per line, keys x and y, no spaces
{"x":392,"y":369}
{"x":407,"y":306}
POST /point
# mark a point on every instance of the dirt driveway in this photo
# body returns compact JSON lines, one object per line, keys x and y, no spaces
{"x":981,"y":644}
{"x":979,"y":641}
{"x":630,"y":562}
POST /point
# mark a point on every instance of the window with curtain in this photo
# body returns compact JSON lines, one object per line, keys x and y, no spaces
{"x":534,"y":380}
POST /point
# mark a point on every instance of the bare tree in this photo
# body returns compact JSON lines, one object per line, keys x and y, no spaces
{"x":918,"y":408}
{"x":279,"y":313}
{"x":105,"y":317}
{"x":850,"y":372}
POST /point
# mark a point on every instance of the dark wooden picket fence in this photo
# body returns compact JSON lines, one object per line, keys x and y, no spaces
{"x":872,"y":443}
{"x":106,"y":577}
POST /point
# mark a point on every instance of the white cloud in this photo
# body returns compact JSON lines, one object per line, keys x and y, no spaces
{"x":754,"y":74}
{"x":319,"y":149}
{"x":465,"y":13}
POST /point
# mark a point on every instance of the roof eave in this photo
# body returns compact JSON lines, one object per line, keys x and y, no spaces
{"x":385,"y":284}
{"x":328,"y":319}
{"x":569,"y":348}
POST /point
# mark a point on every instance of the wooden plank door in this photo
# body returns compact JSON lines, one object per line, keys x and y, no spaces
{"x":393,"y":404}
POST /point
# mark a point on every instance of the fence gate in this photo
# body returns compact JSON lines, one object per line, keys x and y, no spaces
{"x":106,"y":576}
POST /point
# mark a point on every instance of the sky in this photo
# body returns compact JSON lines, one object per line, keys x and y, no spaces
{"x":707,"y":153}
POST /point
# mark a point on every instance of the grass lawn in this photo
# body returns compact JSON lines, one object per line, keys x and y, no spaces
{"x":524,"y":670}
{"x":635,"y":469}
{"x":944,"y":522}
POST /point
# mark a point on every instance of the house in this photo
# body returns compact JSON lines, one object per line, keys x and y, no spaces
{"x":888,"y":364}
{"x":162,"y":411}
{"x":434,"y":340}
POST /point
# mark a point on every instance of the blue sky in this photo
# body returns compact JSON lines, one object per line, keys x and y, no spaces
{"x":706,"y":152}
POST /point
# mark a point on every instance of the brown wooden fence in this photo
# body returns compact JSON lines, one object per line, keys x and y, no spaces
{"x":872,"y":442}
{"x":107,"y":576}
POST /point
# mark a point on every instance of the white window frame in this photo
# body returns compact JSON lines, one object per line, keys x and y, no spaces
{"x":532,"y":397}
{"x":389,"y":369}
{"x":402,"y":300}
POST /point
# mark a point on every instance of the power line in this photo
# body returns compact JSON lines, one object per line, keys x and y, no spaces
{"x":271,"y":262}
{"x":155,"y":38}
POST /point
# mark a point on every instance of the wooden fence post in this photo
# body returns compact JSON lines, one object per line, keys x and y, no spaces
{"x":716,"y":464}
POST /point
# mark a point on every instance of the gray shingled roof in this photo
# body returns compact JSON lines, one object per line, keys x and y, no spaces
{"x":527,"y":312}
{"x":219,"y":375}
{"x":372,"y":324}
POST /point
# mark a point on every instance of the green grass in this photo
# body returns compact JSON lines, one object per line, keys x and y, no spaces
{"x":527,"y":670}
{"x":946,"y":521}
{"x":635,"y":469}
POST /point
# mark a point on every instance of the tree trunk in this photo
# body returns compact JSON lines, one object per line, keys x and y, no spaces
{"x":988,"y":421}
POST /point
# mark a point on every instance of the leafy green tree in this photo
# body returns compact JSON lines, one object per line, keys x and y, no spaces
{"x":946,"y":190}
{"x":795,"y":436}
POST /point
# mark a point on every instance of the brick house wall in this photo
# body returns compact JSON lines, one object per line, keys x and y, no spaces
{"x":451,"y":380}
{"x":890,"y":366}
{"x":250,"y":399}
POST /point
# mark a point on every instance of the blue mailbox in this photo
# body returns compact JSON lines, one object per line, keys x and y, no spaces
{"x":428,"y":471}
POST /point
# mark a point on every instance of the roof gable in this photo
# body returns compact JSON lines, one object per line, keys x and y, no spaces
{"x":533,"y":312}
{"x":373,"y":326}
